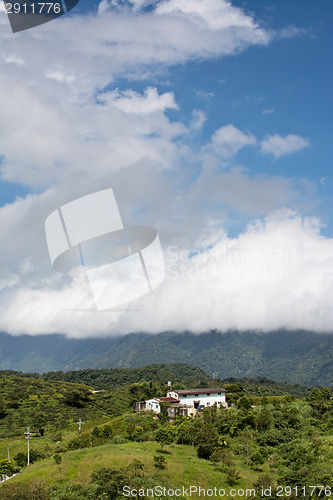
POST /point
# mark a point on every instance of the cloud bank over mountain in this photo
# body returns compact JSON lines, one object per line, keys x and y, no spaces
{"x":93,"y":104}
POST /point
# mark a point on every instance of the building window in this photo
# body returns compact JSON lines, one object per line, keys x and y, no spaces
{"x":196,"y":395}
{"x":219,"y":393}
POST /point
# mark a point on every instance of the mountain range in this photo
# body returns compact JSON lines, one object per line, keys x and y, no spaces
{"x":298,"y":356}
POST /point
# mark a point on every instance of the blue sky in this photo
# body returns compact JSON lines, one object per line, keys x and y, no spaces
{"x":211,"y":120}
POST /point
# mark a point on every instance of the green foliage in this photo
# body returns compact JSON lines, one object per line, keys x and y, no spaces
{"x":25,"y":491}
{"x":181,"y":374}
{"x":232,"y":476}
{"x":292,"y":437}
{"x":163,"y":436}
{"x":39,"y":420}
{"x":244,"y":403}
{"x":207,"y":440}
{"x":76,"y":398}
{"x":257,"y":458}
{"x":7,"y":468}
{"x":3,"y":411}
{"x":21,"y":458}
{"x":57,"y":458}
{"x":274,"y":354}
{"x":110,"y":481}
{"x":160,"y":461}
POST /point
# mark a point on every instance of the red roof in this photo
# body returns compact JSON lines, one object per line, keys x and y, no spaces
{"x":168,"y":400}
{"x":208,"y":390}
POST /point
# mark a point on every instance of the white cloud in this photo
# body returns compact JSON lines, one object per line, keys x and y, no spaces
{"x":65,"y":64}
{"x":277,"y":273}
{"x":268,"y":111}
{"x":277,"y":145}
{"x":77,"y":134}
{"x":214,"y":14}
{"x":133,"y":102}
{"x":224,"y":144}
{"x":290,"y":32}
{"x":198,"y":119}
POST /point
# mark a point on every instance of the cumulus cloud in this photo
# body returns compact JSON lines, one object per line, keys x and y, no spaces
{"x":225,"y":143}
{"x":61,"y":79}
{"x":268,"y":111}
{"x":277,"y":145}
{"x":133,"y":102}
{"x":277,"y":273}
{"x":68,"y":131}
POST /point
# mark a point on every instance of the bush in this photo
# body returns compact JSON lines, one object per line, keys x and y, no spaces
{"x":7,"y":468}
{"x":25,"y":491}
{"x":160,"y":461}
{"x":232,"y":476}
{"x":21,"y":458}
{"x":74,"y":492}
{"x":257,"y":458}
{"x":57,"y":458}
{"x":110,"y":481}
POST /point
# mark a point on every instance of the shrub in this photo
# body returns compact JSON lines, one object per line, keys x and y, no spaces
{"x":21,"y":458}
{"x":7,"y":468}
{"x":160,"y":461}
{"x":57,"y":458}
{"x":25,"y":491}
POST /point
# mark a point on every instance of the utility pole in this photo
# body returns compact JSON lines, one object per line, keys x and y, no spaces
{"x":8,"y":453}
{"x":28,"y":438}
{"x":80,"y":424}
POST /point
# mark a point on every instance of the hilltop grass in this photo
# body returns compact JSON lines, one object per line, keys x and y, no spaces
{"x":184,"y":468}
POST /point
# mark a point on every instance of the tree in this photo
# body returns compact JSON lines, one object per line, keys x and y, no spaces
{"x":257,"y":458}
{"x":207,"y":441}
{"x":160,"y":461}
{"x":136,"y":466}
{"x":325,"y":393}
{"x":110,"y":482}
{"x":264,"y":418}
{"x":3,"y":411}
{"x":106,"y":432}
{"x":137,"y":433}
{"x":244,"y":403}
{"x":315,"y":395}
{"x":76,"y":398}
{"x":39,"y":421}
{"x":222,"y":457}
{"x":7,"y":468}
{"x":96,"y":432}
{"x":163,"y":436}
{"x":183,"y":432}
{"x":21,"y":458}
{"x":232,"y":476}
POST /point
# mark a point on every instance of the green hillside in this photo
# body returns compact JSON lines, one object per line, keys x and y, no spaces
{"x":297,"y":357}
{"x":264,"y":439}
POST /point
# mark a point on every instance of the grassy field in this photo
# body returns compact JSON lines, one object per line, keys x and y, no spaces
{"x":184,"y":468}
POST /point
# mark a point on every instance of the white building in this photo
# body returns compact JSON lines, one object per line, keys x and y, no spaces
{"x":198,"y":398}
{"x":185,"y":402}
{"x":155,"y":406}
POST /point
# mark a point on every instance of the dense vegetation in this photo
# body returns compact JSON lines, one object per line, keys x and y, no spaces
{"x":266,"y":438}
{"x":299,"y":357}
